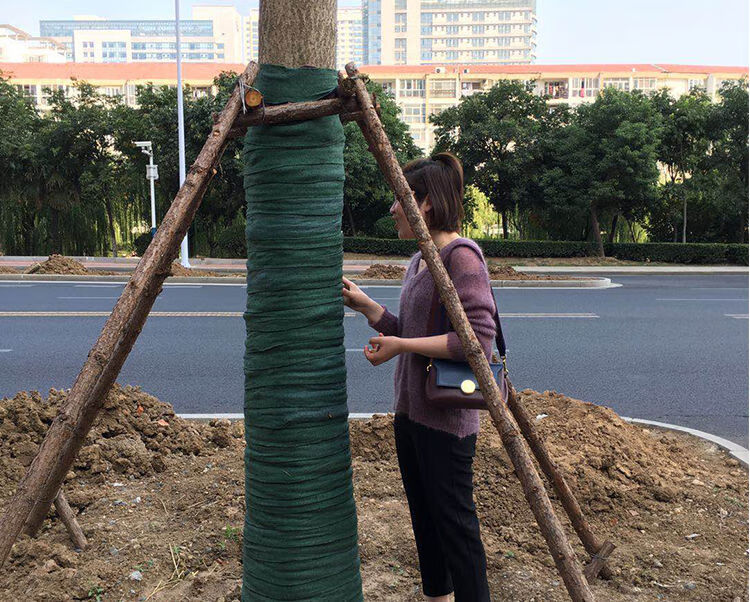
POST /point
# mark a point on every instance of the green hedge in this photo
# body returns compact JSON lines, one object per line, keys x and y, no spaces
{"x":698,"y":253}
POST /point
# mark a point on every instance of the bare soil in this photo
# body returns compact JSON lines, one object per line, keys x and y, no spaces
{"x":161,"y":502}
{"x":497,"y":272}
{"x":8,"y":270}
{"x":58,"y":264}
{"x":386,"y":272}
{"x":527,"y":260}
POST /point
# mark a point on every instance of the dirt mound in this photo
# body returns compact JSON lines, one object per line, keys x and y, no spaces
{"x":58,"y":264}
{"x":675,"y":506}
{"x":384,"y":272}
{"x":506,"y":272}
{"x":8,"y":270}
{"x":132,"y":434}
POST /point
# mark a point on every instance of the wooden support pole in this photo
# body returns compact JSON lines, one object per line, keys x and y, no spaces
{"x":68,"y":517}
{"x":589,"y":540}
{"x":597,"y":562}
{"x":533,"y":488}
{"x":346,"y":108}
{"x":68,"y":430}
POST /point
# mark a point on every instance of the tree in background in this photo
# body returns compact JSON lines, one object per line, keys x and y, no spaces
{"x":682,"y":146}
{"x":605,"y":161}
{"x":727,"y":161}
{"x":496,"y":135}
{"x":367,"y":196}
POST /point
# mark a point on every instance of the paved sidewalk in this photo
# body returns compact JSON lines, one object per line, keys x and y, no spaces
{"x":126,"y":264}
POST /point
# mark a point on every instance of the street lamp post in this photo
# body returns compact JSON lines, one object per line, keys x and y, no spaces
{"x":152,"y":174}
{"x":180,"y":124}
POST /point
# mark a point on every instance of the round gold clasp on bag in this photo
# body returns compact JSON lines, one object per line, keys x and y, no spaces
{"x":468,"y":387}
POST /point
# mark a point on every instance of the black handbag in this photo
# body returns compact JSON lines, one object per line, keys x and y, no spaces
{"x":452,"y":384}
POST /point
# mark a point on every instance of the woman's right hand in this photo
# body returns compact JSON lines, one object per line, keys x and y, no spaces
{"x":358,"y":300}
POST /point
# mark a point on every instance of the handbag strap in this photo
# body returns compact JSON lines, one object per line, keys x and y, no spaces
{"x":438,"y":316}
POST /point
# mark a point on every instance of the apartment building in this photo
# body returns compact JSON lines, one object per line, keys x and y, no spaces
{"x":435,"y":32}
{"x":17,"y":46}
{"x":421,"y":91}
{"x":97,"y":40}
{"x":37,"y":80}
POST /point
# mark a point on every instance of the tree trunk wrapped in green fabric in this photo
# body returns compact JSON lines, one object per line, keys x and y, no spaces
{"x":300,"y":537}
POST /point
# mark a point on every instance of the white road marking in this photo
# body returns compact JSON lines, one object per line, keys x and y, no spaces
{"x":88,"y":297}
{"x":99,"y":285}
{"x":737,"y":316}
{"x":695,"y":299}
{"x":16,"y":285}
{"x":549,"y":315}
{"x":154,"y":314}
{"x":5,"y":350}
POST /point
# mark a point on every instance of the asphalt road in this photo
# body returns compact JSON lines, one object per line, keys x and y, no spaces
{"x":668,"y":348}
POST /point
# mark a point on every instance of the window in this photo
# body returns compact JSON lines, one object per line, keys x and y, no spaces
{"x":477,"y":41}
{"x":451,"y":29}
{"x":644,"y":83}
{"x":411,"y":88}
{"x":387,"y":87}
{"x":452,"y":17}
{"x":585,"y":87}
{"x":426,"y":55}
{"x":426,"y":30}
{"x":28,"y":91}
{"x":469,"y":88}
{"x":426,"y":17}
{"x":426,"y":43}
{"x":477,"y":16}
{"x":413,"y":114}
{"x":400,"y":5}
{"x":696,"y":83}
{"x":477,"y":55}
{"x":451,"y":55}
{"x":556,"y":89}
{"x":443,"y":88}
{"x":619,"y":83}
{"x":400,"y":26}
{"x":452,"y":42}
{"x":400,"y":57}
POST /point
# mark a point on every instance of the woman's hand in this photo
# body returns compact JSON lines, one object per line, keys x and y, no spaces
{"x":383,"y":349}
{"x":358,"y":300}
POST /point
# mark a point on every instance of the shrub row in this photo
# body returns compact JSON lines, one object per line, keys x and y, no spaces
{"x":696,"y":253}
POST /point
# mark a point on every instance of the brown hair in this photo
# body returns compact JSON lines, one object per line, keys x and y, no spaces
{"x":442,"y":178}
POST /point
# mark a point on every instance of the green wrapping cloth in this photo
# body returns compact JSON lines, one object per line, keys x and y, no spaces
{"x":300,"y":538}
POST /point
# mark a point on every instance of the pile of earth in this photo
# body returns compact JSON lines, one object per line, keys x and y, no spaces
{"x":131,"y":436}
{"x":171,"y":529}
{"x":8,"y":270}
{"x":58,"y":264}
{"x":506,"y":272}
{"x":385,"y":272}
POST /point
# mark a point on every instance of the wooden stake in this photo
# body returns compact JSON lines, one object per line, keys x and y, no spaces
{"x":68,"y":517}
{"x":590,"y":542}
{"x":346,"y":108}
{"x":68,"y":430}
{"x":533,"y":488}
{"x":597,"y":562}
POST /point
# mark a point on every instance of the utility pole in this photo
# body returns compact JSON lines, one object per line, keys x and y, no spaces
{"x":180,"y":125}
{"x":152,"y":174}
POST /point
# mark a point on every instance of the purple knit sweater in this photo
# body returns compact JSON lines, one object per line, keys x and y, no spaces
{"x":468,"y":271}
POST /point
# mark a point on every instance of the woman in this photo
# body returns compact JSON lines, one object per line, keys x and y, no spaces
{"x":435,"y":447}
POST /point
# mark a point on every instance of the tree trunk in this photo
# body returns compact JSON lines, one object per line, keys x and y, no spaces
{"x":595,"y":230}
{"x":300,"y":511}
{"x":505,"y":224}
{"x":350,"y":217}
{"x":54,"y":233}
{"x":296,"y":33}
{"x":611,"y":237}
{"x":111,"y":223}
{"x":684,"y":217}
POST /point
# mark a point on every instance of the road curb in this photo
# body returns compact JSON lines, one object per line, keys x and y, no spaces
{"x":594,"y":282}
{"x":739,"y":452}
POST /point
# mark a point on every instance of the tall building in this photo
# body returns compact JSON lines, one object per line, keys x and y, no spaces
{"x":349,"y":38}
{"x":17,"y":46}
{"x":349,"y":41}
{"x":427,"y":32}
{"x":228,"y":29}
{"x":96,"y":40}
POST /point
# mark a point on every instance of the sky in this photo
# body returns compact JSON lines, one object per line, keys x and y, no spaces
{"x":693,"y":32}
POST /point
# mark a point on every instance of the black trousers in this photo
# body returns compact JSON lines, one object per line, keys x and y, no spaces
{"x":437,"y":476}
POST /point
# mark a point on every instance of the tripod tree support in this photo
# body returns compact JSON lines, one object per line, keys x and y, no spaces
{"x":533,"y":488}
{"x":599,"y":552}
{"x":39,"y":487}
